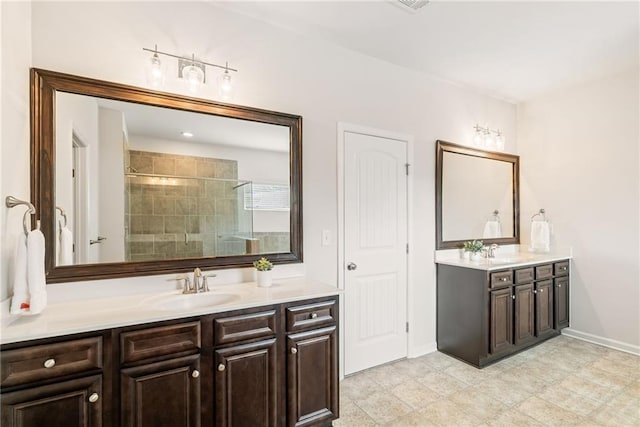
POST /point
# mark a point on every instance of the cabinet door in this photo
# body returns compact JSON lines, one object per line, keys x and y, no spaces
{"x":162,"y":394}
{"x":246,"y":384}
{"x":544,"y":307}
{"x":312,"y":377}
{"x":501,"y":320}
{"x":561,"y":302}
{"x":64,"y":404}
{"x":524,"y":319}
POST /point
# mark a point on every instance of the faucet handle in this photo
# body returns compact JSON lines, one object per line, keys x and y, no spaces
{"x":186,"y":284}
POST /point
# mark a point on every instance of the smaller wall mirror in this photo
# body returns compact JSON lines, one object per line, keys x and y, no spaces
{"x":477,"y":196}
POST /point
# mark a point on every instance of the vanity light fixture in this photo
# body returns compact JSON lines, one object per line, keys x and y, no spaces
{"x":191,"y":70}
{"x":487,"y":138}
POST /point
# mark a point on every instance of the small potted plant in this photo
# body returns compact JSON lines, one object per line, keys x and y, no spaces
{"x":474,"y":247}
{"x":263,"y":269}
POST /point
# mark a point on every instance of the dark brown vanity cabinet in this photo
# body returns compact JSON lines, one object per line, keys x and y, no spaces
{"x":312,"y":363}
{"x":265,"y":366}
{"x":483,"y":316}
{"x":160,"y":375}
{"x":57,"y":384}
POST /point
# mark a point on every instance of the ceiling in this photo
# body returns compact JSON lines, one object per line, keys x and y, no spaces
{"x":511,"y":50}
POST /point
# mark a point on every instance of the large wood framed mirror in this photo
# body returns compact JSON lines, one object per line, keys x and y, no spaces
{"x":477,"y":196}
{"x":127,"y":181}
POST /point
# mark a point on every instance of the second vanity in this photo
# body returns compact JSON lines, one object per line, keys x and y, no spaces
{"x":492,"y":308}
{"x":258,"y":357}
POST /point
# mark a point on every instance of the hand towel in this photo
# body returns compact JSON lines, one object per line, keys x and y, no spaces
{"x":540,"y":236}
{"x":35,"y":271}
{"x":20,"y":288}
{"x":492,"y":229}
{"x":65,"y":244}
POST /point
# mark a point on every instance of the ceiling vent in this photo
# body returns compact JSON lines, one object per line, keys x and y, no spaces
{"x":411,"y":6}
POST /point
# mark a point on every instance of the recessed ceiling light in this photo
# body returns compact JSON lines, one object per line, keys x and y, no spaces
{"x":186,"y":134}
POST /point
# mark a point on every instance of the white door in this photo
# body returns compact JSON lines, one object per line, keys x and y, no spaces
{"x":375,"y":250}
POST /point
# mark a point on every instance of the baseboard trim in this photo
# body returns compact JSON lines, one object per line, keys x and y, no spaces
{"x":417,"y":351}
{"x":606,"y":342}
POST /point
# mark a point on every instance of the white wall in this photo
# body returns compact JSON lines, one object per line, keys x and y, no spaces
{"x":111,"y":185}
{"x":579,"y":149}
{"x":15,"y":60}
{"x":282,"y":71}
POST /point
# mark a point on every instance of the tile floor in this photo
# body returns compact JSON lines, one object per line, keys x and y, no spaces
{"x":561,"y":382}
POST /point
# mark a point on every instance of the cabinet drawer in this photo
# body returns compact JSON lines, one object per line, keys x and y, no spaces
{"x":524,"y":275}
{"x":544,"y":271}
{"x":160,"y":341}
{"x":30,"y":364}
{"x":311,"y":315}
{"x":561,"y":268}
{"x":501,"y":278}
{"x":244,"y":327}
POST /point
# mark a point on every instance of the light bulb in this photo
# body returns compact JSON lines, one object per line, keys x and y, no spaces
{"x":225,"y":87}
{"x":488,"y":140}
{"x":155,"y":76}
{"x":193,"y":76}
{"x":477,"y":138}
{"x":500,"y":142}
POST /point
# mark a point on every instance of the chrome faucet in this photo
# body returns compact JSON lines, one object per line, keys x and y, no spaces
{"x":491,"y":252}
{"x":199,"y":283}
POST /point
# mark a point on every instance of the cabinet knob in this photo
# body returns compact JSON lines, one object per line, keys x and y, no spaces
{"x":513,"y":297}
{"x":49,"y":363}
{"x":294,"y":350}
{"x":559,"y":286}
{"x":221,"y":367}
{"x":504,"y":279}
{"x":535,"y":292}
{"x":196,"y":373}
{"x":541,"y":291}
{"x":314,"y":315}
{"x":94,"y":397}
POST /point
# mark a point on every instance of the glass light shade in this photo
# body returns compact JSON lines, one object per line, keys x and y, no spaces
{"x":500,"y":142}
{"x":488,"y":141}
{"x":478,"y":139}
{"x":155,"y":74}
{"x":225,"y":87}
{"x":194,"y":76}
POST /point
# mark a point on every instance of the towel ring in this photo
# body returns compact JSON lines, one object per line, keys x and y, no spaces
{"x":12,"y":202}
{"x":541,"y":212}
{"x":64,"y":215}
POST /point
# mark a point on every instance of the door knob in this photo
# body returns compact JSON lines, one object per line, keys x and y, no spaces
{"x":351,"y":266}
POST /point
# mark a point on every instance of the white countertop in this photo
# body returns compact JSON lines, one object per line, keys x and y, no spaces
{"x":503,"y":260}
{"x":62,"y":318}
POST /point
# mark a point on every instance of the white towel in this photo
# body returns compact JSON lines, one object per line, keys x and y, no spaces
{"x":20,"y":289}
{"x":35,"y":271}
{"x":65,"y":244}
{"x":492,"y":229}
{"x":540,"y":236}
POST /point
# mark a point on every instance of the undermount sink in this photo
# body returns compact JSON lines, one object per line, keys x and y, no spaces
{"x":181,"y":301}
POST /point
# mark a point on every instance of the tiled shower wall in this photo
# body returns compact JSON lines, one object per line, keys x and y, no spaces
{"x":182,"y":217}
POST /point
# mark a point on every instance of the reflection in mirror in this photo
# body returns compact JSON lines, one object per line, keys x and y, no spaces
{"x":477,"y":196}
{"x":143,"y":197}
{"x":145,"y":183}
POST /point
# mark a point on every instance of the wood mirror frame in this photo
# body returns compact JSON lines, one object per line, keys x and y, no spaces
{"x":441,"y":148}
{"x":45,"y":84}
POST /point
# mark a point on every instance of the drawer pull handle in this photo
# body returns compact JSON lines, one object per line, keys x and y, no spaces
{"x":94,"y":397}
{"x":49,"y":363}
{"x":294,"y":350}
{"x":314,"y":315}
{"x":221,"y":367}
{"x":195,"y":373}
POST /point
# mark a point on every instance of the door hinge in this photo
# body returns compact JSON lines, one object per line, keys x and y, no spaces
{"x":407,"y":248}
{"x":406,"y":165}
{"x":407,"y":327}
{"x":73,"y":173}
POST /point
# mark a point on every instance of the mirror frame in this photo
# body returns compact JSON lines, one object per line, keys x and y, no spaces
{"x":45,"y":84}
{"x":443,"y":147}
